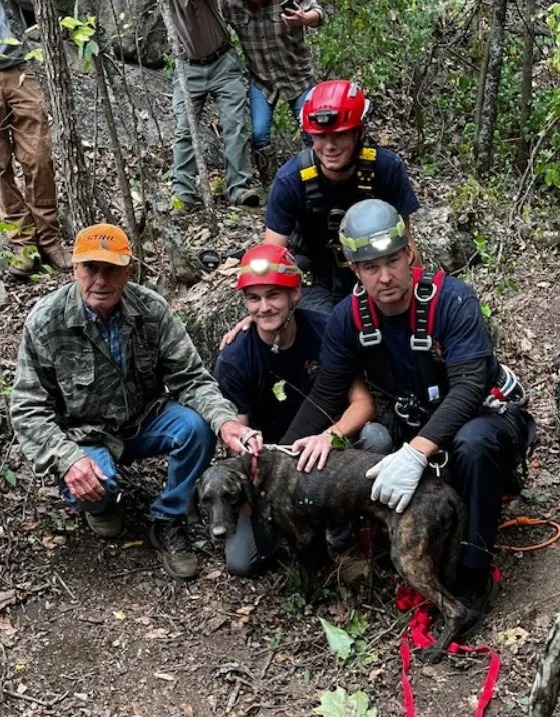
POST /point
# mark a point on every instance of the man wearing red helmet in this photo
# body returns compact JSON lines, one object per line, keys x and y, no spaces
{"x":313,"y":190}
{"x":269,"y":369}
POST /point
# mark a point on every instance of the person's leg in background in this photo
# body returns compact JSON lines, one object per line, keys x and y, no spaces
{"x":261,"y":122}
{"x":296,"y":105}
{"x":228,"y":90}
{"x":184,"y":163}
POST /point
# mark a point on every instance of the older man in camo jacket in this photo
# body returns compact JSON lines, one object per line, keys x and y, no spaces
{"x":107,"y":373}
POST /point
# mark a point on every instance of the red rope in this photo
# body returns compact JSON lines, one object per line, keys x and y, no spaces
{"x":418,"y":633}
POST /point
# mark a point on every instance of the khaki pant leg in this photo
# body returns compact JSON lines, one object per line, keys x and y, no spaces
{"x":32,"y":147}
{"x":12,"y":204}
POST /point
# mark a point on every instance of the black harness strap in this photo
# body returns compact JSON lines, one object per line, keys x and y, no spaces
{"x":429,"y":379}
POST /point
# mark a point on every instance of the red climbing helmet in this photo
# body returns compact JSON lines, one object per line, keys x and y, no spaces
{"x":333,"y":106}
{"x":268,"y":264}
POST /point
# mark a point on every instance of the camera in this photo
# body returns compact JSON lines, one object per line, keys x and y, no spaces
{"x":289,"y":5}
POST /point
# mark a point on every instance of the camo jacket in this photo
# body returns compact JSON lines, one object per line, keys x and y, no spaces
{"x":68,"y":391}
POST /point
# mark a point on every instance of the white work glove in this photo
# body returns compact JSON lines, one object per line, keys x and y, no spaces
{"x":397,"y":476}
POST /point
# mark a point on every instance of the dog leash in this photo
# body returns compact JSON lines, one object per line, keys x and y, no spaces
{"x":418,"y":633}
{"x":270,"y":447}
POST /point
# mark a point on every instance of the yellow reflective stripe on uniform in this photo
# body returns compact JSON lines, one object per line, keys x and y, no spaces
{"x":308,"y":173}
{"x":368,"y":153}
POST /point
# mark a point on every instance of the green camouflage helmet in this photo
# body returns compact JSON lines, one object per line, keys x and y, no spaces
{"x":371,"y":229}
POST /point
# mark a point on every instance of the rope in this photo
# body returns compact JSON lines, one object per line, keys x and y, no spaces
{"x":523,"y":521}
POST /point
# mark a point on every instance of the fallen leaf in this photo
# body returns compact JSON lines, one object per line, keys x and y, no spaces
{"x":22,"y":689}
{"x":8,"y":597}
{"x":214,"y":575}
{"x":158,"y":634}
{"x":245,"y":610}
{"x":164,"y":676}
{"x":132,"y":544}
{"x":514,"y":638}
{"x":119,"y":614}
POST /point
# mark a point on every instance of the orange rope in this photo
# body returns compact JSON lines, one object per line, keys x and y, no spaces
{"x":524,"y":521}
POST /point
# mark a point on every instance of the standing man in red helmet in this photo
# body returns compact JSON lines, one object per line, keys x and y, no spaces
{"x":313,"y":190}
{"x":268,"y":371}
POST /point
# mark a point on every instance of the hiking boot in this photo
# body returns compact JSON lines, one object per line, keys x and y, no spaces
{"x":247,"y":198}
{"x":265,"y":163}
{"x":171,"y":539}
{"x":22,"y":265}
{"x":476,"y":601}
{"x":107,"y":524}
{"x":57,"y":256}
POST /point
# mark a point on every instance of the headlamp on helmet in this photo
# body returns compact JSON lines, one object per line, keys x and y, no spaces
{"x":334,"y":106}
{"x":268,"y":264}
{"x":372,"y":229}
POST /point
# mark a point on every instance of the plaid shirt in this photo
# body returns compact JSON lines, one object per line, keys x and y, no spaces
{"x":278,"y":58}
{"x":112,"y":337}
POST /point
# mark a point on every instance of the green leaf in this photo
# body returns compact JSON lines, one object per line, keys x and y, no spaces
{"x":357,"y":625}
{"x":36,"y":54}
{"x":486,"y":310}
{"x":340,"y":704}
{"x":338,"y":442}
{"x":339,"y":640}
{"x":69,"y":23}
{"x":30,"y":251}
{"x":10,"y":477}
{"x":10,"y":41}
{"x":177,"y":202}
{"x":279,"y":390}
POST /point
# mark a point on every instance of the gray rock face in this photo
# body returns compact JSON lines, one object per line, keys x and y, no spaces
{"x":136,"y":31}
{"x":134,"y":27}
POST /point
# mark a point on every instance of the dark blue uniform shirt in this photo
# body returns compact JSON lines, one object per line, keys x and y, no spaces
{"x":247,"y":371}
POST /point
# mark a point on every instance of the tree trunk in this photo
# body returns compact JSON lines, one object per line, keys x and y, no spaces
{"x":81,"y":199}
{"x":132,"y":227}
{"x":527,"y":85}
{"x":490,"y":87}
{"x":193,"y":127}
{"x":544,"y":693}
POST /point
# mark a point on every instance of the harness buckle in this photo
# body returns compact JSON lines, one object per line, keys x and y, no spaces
{"x":372,"y":338}
{"x":438,"y":465}
{"x":421,"y":343}
{"x":424,"y":299}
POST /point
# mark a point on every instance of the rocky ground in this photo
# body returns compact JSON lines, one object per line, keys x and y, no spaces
{"x":97,"y":629}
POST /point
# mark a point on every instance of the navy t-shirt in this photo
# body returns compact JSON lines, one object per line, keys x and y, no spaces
{"x":247,"y":371}
{"x":286,"y":208}
{"x":460,"y":336}
{"x":287,"y":211}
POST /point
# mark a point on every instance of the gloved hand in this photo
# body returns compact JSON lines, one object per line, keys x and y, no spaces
{"x":397,"y":476}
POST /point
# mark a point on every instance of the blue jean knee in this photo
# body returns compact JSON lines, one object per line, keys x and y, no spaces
{"x":103,"y":458}
{"x":375,"y":438}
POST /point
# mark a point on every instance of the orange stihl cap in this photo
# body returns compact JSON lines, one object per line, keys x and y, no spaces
{"x":102,"y":242}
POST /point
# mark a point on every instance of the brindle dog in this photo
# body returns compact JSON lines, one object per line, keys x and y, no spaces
{"x":424,"y":539}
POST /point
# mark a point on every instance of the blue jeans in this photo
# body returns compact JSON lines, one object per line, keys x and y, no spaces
{"x":262,"y":112}
{"x":175,"y":431}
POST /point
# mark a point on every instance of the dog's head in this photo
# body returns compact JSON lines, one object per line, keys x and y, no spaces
{"x":221,"y":490}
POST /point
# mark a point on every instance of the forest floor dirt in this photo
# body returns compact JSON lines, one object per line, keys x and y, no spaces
{"x":97,"y":629}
